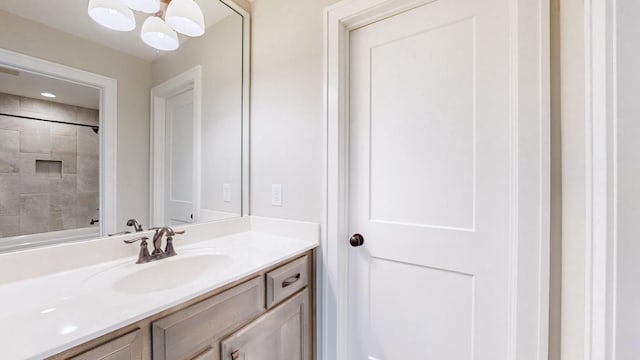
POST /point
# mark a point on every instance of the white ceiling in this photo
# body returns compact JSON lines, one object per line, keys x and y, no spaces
{"x":31,"y":85}
{"x":70,"y":16}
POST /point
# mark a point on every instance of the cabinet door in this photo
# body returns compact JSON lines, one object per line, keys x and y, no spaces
{"x":209,"y":354}
{"x":188,"y":332}
{"x":283,"y":333}
{"x":126,"y":347}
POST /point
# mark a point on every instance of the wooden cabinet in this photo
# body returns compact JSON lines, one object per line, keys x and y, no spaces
{"x":195,"y":329}
{"x":283,"y":333}
{"x":126,"y":347}
{"x":209,"y":354}
{"x":267,"y":315}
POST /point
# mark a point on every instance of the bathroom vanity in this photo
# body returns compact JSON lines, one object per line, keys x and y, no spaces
{"x":238,"y":289}
{"x":266,"y":315}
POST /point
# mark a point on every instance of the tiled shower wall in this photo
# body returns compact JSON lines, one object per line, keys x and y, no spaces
{"x":52,"y":198}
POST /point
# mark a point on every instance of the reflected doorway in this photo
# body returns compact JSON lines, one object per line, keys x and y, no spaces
{"x":179,"y":164}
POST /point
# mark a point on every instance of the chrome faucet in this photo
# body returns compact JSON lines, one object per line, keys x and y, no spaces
{"x":157,"y":253}
{"x":161,"y":232}
{"x":157,"y":242}
{"x":136,"y":225}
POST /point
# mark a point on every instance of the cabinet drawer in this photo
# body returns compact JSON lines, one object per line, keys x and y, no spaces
{"x":126,"y":347}
{"x":188,"y":332}
{"x":286,"y":280}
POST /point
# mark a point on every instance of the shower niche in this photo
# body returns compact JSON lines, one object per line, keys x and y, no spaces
{"x":49,"y":168}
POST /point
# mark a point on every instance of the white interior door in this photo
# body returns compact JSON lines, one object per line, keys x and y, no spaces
{"x":179,"y":157}
{"x":431,"y":184}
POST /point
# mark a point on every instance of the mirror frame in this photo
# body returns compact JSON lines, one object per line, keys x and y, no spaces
{"x":246,"y":101}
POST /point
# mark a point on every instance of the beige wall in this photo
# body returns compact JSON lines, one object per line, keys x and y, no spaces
{"x":220,"y":54}
{"x":286,"y":107}
{"x":134,"y":80}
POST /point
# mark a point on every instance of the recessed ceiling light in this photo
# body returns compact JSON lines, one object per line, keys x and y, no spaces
{"x":48,"y":94}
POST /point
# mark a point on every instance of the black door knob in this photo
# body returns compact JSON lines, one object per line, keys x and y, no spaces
{"x":356,"y":240}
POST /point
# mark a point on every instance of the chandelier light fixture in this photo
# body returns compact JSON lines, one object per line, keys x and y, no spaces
{"x":158,"y":34}
{"x":112,"y":14}
{"x":160,"y":30}
{"x":145,"y":6}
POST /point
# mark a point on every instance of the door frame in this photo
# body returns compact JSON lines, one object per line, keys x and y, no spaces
{"x":188,"y":80}
{"x":528,"y":278}
{"x":601,"y":206}
{"x":108,"y":122}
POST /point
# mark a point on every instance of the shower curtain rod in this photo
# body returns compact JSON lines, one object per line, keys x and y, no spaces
{"x":94,"y":127}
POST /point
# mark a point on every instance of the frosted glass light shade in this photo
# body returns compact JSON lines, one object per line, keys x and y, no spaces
{"x":185,"y":17}
{"x":112,"y":14}
{"x":146,"y":6}
{"x":157,"y":34}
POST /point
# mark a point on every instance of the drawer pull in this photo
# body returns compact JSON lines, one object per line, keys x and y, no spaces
{"x":290,"y":280}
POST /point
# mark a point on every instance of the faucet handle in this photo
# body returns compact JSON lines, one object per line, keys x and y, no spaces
{"x":169,"y":250}
{"x":143,"y":256}
{"x":171,"y":232}
{"x":120,"y":233}
{"x":131,"y":241}
{"x":168,"y":230}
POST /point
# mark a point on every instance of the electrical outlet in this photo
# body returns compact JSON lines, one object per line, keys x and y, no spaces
{"x":276,"y":195}
{"x":226,"y":192}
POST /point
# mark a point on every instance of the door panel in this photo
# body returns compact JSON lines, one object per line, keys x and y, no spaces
{"x":180,"y":159}
{"x":422,"y":323}
{"x":430,"y":183}
{"x":434,"y":119}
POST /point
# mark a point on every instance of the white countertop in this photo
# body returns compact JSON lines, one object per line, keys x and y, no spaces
{"x":46,"y":315}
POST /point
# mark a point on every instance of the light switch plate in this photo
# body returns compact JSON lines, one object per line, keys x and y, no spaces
{"x":226,"y":192}
{"x":276,"y":194}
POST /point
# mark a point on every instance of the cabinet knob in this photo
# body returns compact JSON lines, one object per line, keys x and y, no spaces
{"x":235,"y":355}
{"x":356,"y":240}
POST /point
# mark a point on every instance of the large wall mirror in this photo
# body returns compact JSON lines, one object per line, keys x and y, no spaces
{"x":99,"y":126}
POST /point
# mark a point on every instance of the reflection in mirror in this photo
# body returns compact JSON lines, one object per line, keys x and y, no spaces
{"x":211,"y":127}
{"x":172,"y":147}
{"x":49,"y":155}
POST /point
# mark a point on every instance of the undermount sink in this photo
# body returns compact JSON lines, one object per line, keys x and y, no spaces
{"x":166,"y":274}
